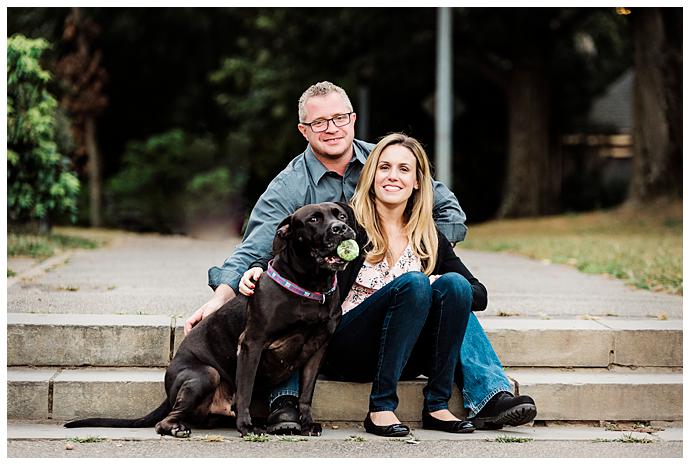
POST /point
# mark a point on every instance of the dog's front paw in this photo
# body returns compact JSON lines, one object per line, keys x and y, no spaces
{"x":258,"y":430}
{"x":246,"y":427}
{"x":312,"y":429}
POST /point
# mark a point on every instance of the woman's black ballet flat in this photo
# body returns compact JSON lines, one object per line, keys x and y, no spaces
{"x":395,"y":430}
{"x":451,"y":426}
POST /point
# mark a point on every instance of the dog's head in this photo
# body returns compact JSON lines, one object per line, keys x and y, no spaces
{"x":315,"y":231}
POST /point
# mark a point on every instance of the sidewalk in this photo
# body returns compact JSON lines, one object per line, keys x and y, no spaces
{"x":151,"y":274}
{"x":31,"y":440}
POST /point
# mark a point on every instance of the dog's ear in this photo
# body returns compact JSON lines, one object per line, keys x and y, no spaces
{"x":351,"y":221}
{"x":283,"y":233}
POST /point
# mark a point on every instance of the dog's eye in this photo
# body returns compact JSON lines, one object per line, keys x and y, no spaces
{"x":313,"y":219}
{"x":342,"y":216}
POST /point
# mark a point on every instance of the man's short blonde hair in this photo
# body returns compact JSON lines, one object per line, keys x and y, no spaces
{"x":320,"y":89}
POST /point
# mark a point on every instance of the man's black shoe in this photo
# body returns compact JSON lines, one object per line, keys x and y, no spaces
{"x":505,"y":409}
{"x":284,"y":416}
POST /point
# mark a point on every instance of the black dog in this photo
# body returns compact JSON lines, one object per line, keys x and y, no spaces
{"x":264,"y":338}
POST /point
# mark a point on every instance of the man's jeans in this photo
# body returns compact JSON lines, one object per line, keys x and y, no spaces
{"x":479,"y":375}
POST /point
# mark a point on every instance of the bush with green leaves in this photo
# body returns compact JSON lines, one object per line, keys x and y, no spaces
{"x":172,"y":180}
{"x":40,"y":183}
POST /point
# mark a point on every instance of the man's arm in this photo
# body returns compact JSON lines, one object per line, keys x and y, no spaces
{"x":448,"y":215}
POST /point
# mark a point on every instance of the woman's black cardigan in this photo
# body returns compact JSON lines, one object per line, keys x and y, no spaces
{"x":446,"y":262}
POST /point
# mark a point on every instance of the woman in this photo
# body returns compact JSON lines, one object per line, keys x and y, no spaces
{"x":407,"y":300}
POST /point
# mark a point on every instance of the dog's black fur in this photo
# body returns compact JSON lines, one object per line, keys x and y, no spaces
{"x":263,"y":338}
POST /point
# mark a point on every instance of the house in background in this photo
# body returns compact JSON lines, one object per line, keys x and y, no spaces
{"x":597,"y":161}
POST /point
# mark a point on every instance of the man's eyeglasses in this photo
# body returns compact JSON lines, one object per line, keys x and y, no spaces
{"x":320,"y":125}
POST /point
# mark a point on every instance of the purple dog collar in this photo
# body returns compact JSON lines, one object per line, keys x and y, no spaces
{"x":295,"y":289}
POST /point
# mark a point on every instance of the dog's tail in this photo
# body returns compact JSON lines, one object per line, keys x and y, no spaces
{"x":149,"y":420}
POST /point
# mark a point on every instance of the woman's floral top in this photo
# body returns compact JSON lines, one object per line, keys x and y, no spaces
{"x":372,"y":277}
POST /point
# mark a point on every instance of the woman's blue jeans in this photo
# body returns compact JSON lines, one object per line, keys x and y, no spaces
{"x":408,"y":328}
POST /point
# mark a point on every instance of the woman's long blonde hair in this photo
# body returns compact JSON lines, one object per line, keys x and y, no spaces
{"x":419,"y":222}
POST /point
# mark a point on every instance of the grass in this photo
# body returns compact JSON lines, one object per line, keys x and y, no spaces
{"x":293,"y":439}
{"x":251,"y":437}
{"x":44,"y":246}
{"x":506,"y":439}
{"x":87,"y":439}
{"x":642,"y":246}
{"x":629,"y":439}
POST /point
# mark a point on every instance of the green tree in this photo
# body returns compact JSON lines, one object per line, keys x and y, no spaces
{"x":40,"y":184}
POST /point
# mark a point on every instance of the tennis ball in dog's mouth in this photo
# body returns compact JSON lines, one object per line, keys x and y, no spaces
{"x":348,"y":250}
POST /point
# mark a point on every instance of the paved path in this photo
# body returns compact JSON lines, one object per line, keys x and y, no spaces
{"x":43,"y":440}
{"x":152,"y":274}
{"x":341,"y":449}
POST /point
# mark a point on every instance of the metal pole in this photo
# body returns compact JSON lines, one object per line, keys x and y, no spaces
{"x":444,"y":96}
{"x":363,"y":113}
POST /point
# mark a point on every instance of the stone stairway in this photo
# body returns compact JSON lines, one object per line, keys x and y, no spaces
{"x":63,"y":366}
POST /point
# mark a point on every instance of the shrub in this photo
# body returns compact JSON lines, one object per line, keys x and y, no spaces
{"x":171,"y":180}
{"x":40,"y":183}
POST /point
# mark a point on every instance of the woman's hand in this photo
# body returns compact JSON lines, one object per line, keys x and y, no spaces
{"x":248,"y":278}
{"x":433,"y":278}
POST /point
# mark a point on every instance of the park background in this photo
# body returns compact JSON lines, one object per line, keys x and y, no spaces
{"x":174,"y":120}
{"x":147,"y":134}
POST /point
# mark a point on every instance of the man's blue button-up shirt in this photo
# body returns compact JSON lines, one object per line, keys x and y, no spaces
{"x":305,"y":180}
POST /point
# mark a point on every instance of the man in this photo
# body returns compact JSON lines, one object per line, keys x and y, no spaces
{"x":328,"y":171}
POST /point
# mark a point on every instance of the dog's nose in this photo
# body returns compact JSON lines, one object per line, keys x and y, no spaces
{"x":338,"y":228}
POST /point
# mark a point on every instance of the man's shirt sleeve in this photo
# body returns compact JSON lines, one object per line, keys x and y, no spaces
{"x":277,"y":202}
{"x":448,"y":215}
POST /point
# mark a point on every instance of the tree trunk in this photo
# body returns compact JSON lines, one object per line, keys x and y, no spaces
{"x":94,"y":172}
{"x":527,"y":190}
{"x":658,"y":94}
{"x":84,"y":77}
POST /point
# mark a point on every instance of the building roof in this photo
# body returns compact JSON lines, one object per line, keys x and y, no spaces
{"x":614,"y":108}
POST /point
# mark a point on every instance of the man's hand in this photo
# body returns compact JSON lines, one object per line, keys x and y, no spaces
{"x":223,"y":294}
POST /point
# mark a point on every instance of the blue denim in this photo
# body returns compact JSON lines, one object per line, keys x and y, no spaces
{"x":437,"y":351}
{"x":479,"y":374}
{"x":375,"y":339}
{"x":289,"y":387}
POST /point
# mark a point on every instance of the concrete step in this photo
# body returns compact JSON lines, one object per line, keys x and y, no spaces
{"x":91,"y":340}
{"x":622,"y":394}
{"x":150,"y":340}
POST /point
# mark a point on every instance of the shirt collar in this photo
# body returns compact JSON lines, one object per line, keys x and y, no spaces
{"x":316,"y":168}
